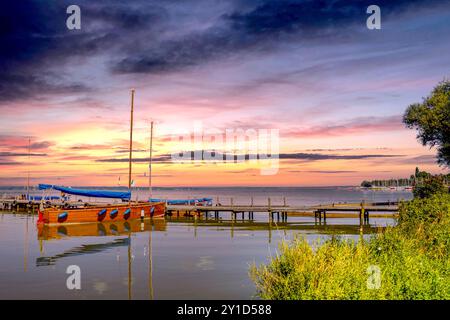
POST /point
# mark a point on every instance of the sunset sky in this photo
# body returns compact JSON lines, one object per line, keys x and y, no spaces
{"x":334,"y":89}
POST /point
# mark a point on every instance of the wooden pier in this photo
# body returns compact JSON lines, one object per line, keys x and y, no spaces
{"x":281,"y":213}
{"x":274,"y":212}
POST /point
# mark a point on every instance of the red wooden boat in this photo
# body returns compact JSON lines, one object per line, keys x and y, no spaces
{"x":120,"y":212}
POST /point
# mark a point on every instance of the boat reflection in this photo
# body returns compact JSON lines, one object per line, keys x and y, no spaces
{"x":101,"y":229}
{"x":82,"y":250}
{"x":49,"y":232}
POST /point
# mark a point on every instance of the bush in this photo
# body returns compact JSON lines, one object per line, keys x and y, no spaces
{"x":413,"y":258}
{"x":431,"y":186}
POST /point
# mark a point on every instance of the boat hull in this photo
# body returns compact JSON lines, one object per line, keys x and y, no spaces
{"x":120,"y":212}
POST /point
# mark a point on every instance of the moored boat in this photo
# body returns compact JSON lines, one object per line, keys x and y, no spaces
{"x":106,"y":213}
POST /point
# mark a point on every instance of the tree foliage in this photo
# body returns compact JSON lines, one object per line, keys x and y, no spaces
{"x":431,"y":186}
{"x":431,"y":118}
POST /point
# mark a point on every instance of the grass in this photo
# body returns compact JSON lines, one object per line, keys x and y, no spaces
{"x":412,"y":257}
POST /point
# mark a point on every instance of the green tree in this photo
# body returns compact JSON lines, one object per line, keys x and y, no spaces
{"x":431,"y":186}
{"x":366,"y":184}
{"x":431,"y":118}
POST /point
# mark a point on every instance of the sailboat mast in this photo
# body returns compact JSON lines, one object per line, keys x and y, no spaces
{"x":150,"y":161}
{"x":28,"y":175}
{"x":131,"y":139}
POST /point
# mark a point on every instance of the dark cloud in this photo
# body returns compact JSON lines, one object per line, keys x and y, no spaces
{"x":21,"y":143}
{"x":18,"y":154}
{"x":343,"y":149}
{"x":145,"y":36}
{"x":323,"y":171}
{"x":10,"y":163}
{"x":260,"y":28}
{"x":83,"y":147}
{"x":77,"y":158}
{"x":40,"y":145}
{"x":127,"y":151}
{"x":36,"y":44}
{"x":321,"y":156}
{"x":162,"y":158}
{"x":171,"y":55}
{"x":32,"y":35}
{"x":167,"y":158}
{"x":312,"y":17}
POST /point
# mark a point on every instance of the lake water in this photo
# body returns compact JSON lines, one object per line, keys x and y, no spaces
{"x":172,"y":258}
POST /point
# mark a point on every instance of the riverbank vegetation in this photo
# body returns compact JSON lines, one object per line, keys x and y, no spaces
{"x":412,"y":259}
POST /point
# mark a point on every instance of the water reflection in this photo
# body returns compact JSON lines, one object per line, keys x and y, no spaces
{"x":101,"y":229}
{"x":81,"y":250}
{"x":308,"y":225}
{"x":177,"y":258}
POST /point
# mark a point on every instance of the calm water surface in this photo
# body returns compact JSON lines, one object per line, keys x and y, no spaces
{"x":164,"y":259}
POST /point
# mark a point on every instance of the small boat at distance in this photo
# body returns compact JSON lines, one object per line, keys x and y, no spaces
{"x":195,"y":201}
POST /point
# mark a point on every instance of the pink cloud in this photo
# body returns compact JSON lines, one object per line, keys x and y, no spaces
{"x":354,"y":126}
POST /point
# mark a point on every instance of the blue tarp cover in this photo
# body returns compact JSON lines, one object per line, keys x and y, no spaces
{"x":89,"y":193}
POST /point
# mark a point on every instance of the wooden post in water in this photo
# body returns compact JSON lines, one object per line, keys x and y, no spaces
{"x":129,"y":266}
{"x":150,"y":262}
{"x":361,"y":213}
